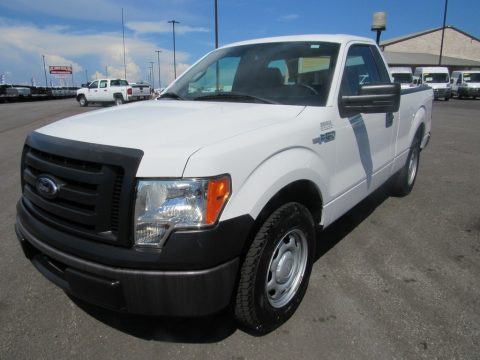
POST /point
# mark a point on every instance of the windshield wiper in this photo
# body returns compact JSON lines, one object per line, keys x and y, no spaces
{"x":234,"y":96}
{"x":170,"y":95}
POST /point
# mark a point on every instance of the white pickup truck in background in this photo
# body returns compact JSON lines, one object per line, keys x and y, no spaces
{"x":141,"y":91}
{"x":116,"y":91}
{"x":217,"y":192}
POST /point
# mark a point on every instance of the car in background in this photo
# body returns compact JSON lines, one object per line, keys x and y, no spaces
{"x":141,"y":91}
{"x":402,"y":75}
{"x":437,"y":77}
{"x":466,"y":83}
{"x":116,"y":91}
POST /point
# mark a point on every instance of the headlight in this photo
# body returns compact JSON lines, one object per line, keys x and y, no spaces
{"x":163,"y":205}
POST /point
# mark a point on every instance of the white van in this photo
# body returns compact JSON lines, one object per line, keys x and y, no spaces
{"x":402,"y":75}
{"x":437,"y":78}
{"x":466,"y":83}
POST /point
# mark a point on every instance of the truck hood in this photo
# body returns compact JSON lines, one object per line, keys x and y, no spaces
{"x":168,"y":131}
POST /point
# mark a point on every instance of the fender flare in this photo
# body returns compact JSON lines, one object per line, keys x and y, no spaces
{"x":417,"y":123}
{"x":273,"y":175}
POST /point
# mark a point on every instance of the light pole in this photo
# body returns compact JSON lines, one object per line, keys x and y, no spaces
{"x":123,"y":35}
{"x":158,"y":59}
{"x":216,"y":25}
{"x":153,"y":77}
{"x":173,"y":22}
{"x":443,"y":32}
{"x":45,"y":71}
{"x":106,"y":71}
{"x":379,"y":24}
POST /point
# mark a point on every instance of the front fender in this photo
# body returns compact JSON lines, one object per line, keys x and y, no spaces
{"x":271,"y":176}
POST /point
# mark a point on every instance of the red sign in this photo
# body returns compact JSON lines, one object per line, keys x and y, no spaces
{"x":60,"y":69}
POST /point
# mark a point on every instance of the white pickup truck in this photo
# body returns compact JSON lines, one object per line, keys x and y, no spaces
{"x":216,"y":193}
{"x":115,"y":91}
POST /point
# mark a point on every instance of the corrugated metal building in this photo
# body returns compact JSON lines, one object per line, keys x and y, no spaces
{"x":460,"y":50}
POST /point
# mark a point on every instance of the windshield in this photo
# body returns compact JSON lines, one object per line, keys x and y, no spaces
{"x":471,"y":77}
{"x":402,"y":78}
{"x":294,"y":73}
{"x":436,"y":78}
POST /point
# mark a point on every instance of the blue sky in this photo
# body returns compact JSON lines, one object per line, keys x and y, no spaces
{"x":88,"y":34}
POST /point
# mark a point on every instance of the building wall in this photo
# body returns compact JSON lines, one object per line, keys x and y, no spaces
{"x":455,"y":44}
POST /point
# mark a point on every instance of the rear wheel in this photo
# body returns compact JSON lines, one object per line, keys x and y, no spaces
{"x":118,"y":100}
{"x":82,"y":101}
{"x":403,"y":181}
{"x":274,"y":276}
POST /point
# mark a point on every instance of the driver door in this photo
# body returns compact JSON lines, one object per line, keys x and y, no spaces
{"x":364,"y":159}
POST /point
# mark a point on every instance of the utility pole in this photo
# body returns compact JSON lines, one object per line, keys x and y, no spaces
{"x":45,"y":71}
{"x":443,"y":32}
{"x":86,"y":76}
{"x":106,"y":71}
{"x":124,"y":62}
{"x":158,"y":59}
{"x":173,"y":22}
{"x":73,"y":85}
{"x":216,"y":25}
{"x":153,"y":77}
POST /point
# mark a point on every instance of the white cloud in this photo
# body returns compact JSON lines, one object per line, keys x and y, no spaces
{"x":144,"y":27}
{"x":22,"y":47}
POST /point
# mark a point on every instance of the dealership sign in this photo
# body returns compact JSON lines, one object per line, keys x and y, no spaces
{"x":63,"y":70}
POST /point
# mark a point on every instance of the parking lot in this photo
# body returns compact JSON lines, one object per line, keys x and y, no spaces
{"x":395,"y":278}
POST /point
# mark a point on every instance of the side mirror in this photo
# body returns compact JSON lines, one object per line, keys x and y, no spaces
{"x":372,"y":98}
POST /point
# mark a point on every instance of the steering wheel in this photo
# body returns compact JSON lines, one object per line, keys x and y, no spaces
{"x":312,"y":90}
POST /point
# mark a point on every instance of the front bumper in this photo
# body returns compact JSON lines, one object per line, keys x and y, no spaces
{"x":151,"y":292}
{"x":442,"y":93}
{"x":468,"y":91}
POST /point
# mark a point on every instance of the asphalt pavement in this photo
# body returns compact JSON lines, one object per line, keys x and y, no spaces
{"x":395,"y":278}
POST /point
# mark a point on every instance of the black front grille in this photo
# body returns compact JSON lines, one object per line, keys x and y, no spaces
{"x":95,"y":187}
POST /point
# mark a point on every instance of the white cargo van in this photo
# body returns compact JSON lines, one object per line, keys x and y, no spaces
{"x":402,"y":75}
{"x":437,"y":77}
{"x":466,"y":83}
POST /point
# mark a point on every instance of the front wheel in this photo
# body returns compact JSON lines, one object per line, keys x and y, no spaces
{"x":403,"y":181}
{"x":83,"y":101}
{"x":274,"y":275}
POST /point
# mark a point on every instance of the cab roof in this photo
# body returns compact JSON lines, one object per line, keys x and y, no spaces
{"x":338,"y":38}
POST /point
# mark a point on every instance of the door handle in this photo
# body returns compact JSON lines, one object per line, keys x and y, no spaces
{"x":389,"y":119}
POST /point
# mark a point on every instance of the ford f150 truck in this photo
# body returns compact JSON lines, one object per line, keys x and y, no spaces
{"x":214,"y":193}
{"x":115,"y":91}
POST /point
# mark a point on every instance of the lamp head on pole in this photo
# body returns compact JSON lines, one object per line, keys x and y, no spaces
{"x":379,"y":23}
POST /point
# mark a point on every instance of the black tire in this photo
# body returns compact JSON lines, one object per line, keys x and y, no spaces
{"x":82,"y":101}
{"x":404,"y":180}
{"x":285,"y":243}
{"x":119,"y":100}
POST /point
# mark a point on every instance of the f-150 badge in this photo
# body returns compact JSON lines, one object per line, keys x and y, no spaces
{"x":324,"y":138}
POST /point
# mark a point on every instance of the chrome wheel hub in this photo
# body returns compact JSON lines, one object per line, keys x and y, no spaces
{"x":412,"y":166}
{"x":286,"y":268}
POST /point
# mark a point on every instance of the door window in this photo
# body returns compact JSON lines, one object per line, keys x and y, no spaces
{"x":361,"y":68}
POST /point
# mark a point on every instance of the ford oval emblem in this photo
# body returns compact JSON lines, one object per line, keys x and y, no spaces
{"x":46,"y":187}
